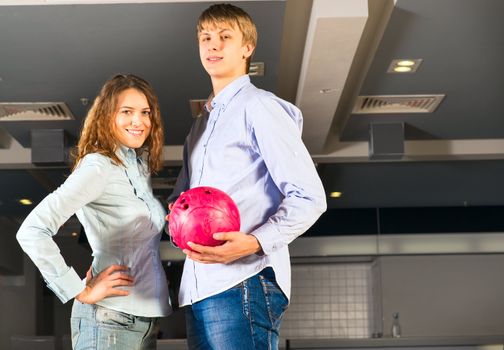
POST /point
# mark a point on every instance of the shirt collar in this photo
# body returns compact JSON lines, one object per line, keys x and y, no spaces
{"x":226,"y":94}
{"x":126,"y":154}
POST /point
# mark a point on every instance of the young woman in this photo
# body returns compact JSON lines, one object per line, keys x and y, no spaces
{"x":118,"y":305}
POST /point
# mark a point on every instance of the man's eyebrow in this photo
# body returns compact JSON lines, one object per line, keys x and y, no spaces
{"x":207,"y":31}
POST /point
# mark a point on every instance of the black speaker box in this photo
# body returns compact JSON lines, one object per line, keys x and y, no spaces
{"x":49,"y":146}
{"x":386,"y":141}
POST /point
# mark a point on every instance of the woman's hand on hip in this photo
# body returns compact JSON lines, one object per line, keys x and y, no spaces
{"x":105,"y":284}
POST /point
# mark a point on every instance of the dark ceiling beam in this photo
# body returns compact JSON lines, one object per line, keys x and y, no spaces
{"x":42,"y":178}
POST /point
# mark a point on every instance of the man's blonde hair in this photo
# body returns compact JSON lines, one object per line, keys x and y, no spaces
{"x":233,"y":15}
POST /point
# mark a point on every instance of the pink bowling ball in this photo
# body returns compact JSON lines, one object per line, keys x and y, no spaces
{"x":199,"y":213}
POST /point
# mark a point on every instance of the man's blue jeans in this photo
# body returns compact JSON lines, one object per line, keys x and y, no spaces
{"x":247,"y":316}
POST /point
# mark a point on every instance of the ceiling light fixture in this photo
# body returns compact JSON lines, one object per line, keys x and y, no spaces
{"x":335,"y":194}
{"x":401,"y":65}
{"x":406,"y":63}
{"x":25,"y":201}
{"x":402,"y":69}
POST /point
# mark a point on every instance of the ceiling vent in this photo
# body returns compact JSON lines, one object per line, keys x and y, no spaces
{"x":388,"y":104}
{"x":34,"y":111}
{"x":256,"y":69}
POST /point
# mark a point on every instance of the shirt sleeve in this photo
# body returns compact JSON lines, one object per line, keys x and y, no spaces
{"x":277,"y":136}
{"x":84,"y":185}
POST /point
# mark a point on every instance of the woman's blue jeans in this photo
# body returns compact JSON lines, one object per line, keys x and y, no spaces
{"x":95,"y":328}
{"x":247,"y":316}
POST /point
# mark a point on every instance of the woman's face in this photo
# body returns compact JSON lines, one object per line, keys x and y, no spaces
{"x":132,"y":123}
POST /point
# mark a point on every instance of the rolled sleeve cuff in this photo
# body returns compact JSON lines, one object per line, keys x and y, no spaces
{"x":265,"y":235}
{"x":67,"y":286}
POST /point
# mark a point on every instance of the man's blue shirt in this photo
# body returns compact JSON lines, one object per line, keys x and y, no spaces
{"x":249,"y":146}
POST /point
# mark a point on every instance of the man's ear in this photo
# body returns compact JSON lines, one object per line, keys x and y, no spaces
{"x":248,"y":50}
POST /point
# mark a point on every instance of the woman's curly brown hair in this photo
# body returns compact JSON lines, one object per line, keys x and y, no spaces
{"x":97,"y":135}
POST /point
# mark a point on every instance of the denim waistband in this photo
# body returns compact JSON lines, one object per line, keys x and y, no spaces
{"x":267,"y":273}
{"x":89,"y":311}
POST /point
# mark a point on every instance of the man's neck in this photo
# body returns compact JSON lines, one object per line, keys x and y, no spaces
{"x":218,"y":84}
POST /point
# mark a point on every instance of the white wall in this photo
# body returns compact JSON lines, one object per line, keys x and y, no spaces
{"x":444,"y":295}
{"x":18,"y":304}
{"x":435,"y":295}
{"x":17,"y":287}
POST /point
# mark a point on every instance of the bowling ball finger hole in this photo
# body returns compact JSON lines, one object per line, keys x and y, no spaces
{"x":185,"y":206}
{"x":208,"y":191}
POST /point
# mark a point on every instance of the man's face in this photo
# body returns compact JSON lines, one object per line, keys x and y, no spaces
{"x":222,"y":52}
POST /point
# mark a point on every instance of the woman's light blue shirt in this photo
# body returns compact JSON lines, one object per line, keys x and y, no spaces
{"x":123,"y":223}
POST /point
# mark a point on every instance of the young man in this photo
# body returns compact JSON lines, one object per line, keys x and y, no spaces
{"x":248,"y":144}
